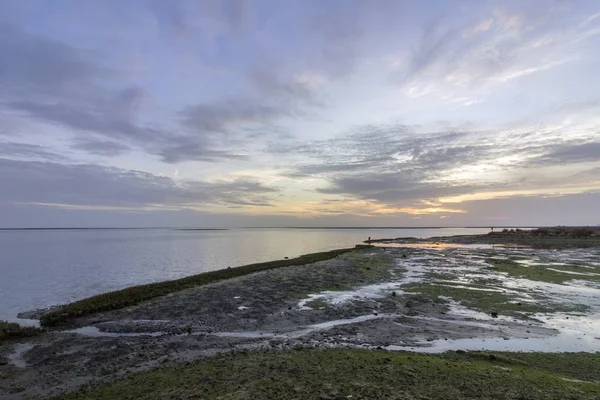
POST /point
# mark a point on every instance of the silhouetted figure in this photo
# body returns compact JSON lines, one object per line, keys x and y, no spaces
{"x":369,"y":240}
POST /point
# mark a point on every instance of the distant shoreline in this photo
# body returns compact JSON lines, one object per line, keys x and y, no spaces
{"x":268,"y":227}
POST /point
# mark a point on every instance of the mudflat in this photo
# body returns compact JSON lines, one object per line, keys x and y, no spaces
{"x":426,"y":298}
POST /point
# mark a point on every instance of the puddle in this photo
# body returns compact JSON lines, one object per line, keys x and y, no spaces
{"x":338,"y":322}
{"x":376,"y":291}
{"x":496,"y":290}
{"x":93,"y":331}
{"x":559,"y":343}
{"x":247,"y":335}
{"x":16,"y":358}
{"x":304,"y":331}
{"x":573,"y":272}
{"x":575,"y":333}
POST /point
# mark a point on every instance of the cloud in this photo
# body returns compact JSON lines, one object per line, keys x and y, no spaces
{"x":585,"y":152}
{"x":52,"y":82}
{"x":100,"y":147}
{"x":90,"y":186}
{"x":221,"y":118}
{"x":455,"y":58}
{"x":40,"y":66}
{"x":29,"y":151}
{"x":394,"y":166}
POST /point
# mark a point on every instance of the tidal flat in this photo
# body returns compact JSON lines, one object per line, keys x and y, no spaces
{"x":367,"y":306}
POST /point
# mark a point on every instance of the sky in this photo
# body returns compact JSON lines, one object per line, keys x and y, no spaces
{"x":147,"y":113}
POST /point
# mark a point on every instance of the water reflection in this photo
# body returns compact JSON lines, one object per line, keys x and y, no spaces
{"x":44,"y":268}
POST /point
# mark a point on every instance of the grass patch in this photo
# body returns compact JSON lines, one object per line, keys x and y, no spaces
{"x":136,"y":294}
{"x":441,"y":276}
{"x":375,"y":267}
{"x":316,"y":304}
{"x":484,"y":300}
{"x":541,"y":272}
{"x":362,"y":374}
{"x":535,"y":242}
{"x":11,"y":330}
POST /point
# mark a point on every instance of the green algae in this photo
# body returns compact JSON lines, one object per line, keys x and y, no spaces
{"x":363,"y":374}
{"x":488,"y":301}
{"x":544,"y":273}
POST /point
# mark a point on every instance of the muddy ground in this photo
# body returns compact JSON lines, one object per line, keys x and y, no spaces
{"x":396,"y":298}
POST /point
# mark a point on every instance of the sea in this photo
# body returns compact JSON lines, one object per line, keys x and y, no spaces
{"x":42,"y":268}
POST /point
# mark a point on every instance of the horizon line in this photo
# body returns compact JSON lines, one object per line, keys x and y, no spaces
{"x":287,"y":227}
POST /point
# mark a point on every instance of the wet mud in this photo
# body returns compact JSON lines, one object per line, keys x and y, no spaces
{"x":428,"y":298}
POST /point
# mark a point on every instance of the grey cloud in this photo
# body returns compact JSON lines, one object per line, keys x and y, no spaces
{"x":98,"y":118}
{"x":393,"y":165}
{"x":182,"y":16}
{"x":52,"y":82}
{"x":26,"y":182}
{"x":273,"y":87}
{"x":46,"y":67}
{"x":28,"y":151}
{"x":189,"y":149}
{"x":112,"y":120}
{"x":575,"y":153}
{"x":49,"y":81}
{"x":379,"y":149}
{"x":100,"y":147}
{"x":392,"y":188}
{"x":220,"y":118}
{"x":389,"y":164}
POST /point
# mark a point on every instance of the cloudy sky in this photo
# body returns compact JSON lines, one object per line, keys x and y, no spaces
{"x":299,"y":113}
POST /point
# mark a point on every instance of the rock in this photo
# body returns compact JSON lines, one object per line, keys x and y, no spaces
{"x":403,"y":255}
{"x":494,"y":314}
{"x":461,"y":352}
{"x":492,"y":357}
{"x":393,"y":294}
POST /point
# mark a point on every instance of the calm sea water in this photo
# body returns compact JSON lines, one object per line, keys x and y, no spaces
{"x":40,"y":268}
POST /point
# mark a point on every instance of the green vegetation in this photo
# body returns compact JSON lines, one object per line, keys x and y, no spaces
{"x":530,"y":241}
{"x":10,"y":330}
{"x":316,"y":304}
{"x":364,"y":374}
{"x":483,"y":300}
{"x":374,"y":267}
{"x":137,"y":294}
{"x":441,"y":276}
{"x":542,"y":273}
